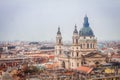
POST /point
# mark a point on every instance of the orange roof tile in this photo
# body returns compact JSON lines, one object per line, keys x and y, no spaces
{"x":68,"y":73}
{"x":53,"y":65}
{"x":116,"y":56}
{"x":51,"y":56}
{"x":84,"y":69}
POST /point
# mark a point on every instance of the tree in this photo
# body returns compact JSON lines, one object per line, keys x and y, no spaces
{"x":31,"y":70}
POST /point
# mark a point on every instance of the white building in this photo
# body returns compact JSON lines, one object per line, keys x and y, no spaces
{"x":83,"y":43}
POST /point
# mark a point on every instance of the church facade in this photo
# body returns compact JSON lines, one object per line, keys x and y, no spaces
{"x":83,"y":50}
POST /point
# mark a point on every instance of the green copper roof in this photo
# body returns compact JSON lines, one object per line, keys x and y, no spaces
{"x":86,"y":30}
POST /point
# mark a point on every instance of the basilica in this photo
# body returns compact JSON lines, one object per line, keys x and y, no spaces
{"x":83,"y":50}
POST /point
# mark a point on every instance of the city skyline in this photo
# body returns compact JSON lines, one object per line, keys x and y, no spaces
{"x":39,"y":20}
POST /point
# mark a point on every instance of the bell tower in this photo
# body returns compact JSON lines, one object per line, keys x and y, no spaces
{"x":59,"y":44}
{"x":75,"y":36}
{"x":74,"y":51}
{"x":59,"y":37}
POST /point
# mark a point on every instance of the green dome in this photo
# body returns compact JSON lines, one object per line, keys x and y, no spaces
{"x":86,"y":30}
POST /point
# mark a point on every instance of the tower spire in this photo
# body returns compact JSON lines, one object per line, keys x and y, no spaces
{"x":75,"y":30}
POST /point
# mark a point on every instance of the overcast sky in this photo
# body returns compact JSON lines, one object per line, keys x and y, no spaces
{"x":38,"y":20}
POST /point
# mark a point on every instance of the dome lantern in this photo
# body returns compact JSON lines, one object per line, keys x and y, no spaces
{"x":86,"y":23}
{"x":58,"y":31}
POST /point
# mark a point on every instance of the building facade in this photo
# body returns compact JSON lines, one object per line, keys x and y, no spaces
{"x":83,"y":43}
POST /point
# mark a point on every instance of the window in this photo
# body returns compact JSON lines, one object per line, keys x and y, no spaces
{"x":59,"y":40}
{"x":77,"y":54}
{"x":84,"y":37}
{"x":87,"y":45}
{"x":77,"y":64}
{"x":60,"y":52}
{"x":81,"y":46}
{"x":76,"y":41}
{"x":76,"y":47}
{"x":91,"y":45}
{"x":63,"y":64}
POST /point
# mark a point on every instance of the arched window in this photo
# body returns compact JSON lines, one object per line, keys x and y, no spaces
{"x":63,"y":64}
{"x":76,"y":41}
{"x":76,"y":47}
{"x":91,"y":45}
{"x":81,"y":46}
{"x":59,"y":40}
{"x":84,"y":37}
{"x":60,"y":52}
{"x":77,"y":64}
{"x":77,"y":54}
{"x":87,"y":45}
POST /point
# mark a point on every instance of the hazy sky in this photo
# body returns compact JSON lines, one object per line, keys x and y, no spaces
{"x":38,"y":20}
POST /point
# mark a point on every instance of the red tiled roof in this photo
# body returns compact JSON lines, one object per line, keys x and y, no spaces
{"x":53,"y":65}
{"x":84,"y":69}
{"x":115,"y":56}
{"x":68,"y":73}
{"x":51,"y":56}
